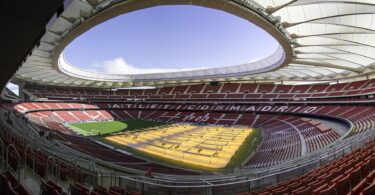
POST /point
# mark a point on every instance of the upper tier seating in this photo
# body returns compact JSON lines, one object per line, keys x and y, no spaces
{"x":223,"y":91}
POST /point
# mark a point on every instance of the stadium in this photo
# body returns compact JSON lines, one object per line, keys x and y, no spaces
{"x":298,"y":120}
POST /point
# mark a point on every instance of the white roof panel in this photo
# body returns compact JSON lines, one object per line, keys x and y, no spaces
{"x":333,"y":39}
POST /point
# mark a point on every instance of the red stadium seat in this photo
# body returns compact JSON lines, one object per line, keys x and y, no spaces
{"x":369,"y":190}
{"x":325,"y":190}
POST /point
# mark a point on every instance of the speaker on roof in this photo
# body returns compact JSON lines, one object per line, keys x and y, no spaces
{"x":214,"y":83}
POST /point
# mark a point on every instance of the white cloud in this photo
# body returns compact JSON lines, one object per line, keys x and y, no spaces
{"x":14,"y":88}
{"x":255,"y":60}
{"x":120,"y":66}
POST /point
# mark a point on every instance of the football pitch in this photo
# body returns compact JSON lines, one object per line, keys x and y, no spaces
{"x":204,"y":148}
{"x":107,"y":127}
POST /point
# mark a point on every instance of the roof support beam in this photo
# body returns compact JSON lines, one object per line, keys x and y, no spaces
{"x":329,"y":65}
{"x":327,"y":2}
{"x":287,"y":24}
{"x":333,"y":48}
{"x":294,"y":36}
{"x":272,"y":10}
{"x":344,"y":25}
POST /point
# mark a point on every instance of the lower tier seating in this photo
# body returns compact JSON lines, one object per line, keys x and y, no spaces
{"x":354,"y":173}
{"x":10,"y":186}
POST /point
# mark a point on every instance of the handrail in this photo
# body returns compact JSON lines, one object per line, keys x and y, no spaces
{"x":33,"y":153}
{"x":12,"y":146}
{"x":113,"y":176}
{"x":53,"y":166}
{"x":94,"y":169}
{"x":2,"y":145}
{"x":100,"y":172}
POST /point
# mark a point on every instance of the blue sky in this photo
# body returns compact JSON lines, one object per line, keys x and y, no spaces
{"x":169,"y":38}
{"x":13,"y":87}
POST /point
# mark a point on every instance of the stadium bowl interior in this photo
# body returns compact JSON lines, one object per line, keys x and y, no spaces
{"x":300,"y":121}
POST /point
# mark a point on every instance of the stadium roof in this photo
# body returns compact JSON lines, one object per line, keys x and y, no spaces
{"x":319,"y":40}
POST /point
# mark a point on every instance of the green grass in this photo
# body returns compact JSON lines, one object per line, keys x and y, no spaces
{"x":107,"y":127}
{"x":246,"y":149}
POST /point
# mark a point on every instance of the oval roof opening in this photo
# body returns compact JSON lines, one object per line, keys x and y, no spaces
{"x":169,"y":39}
